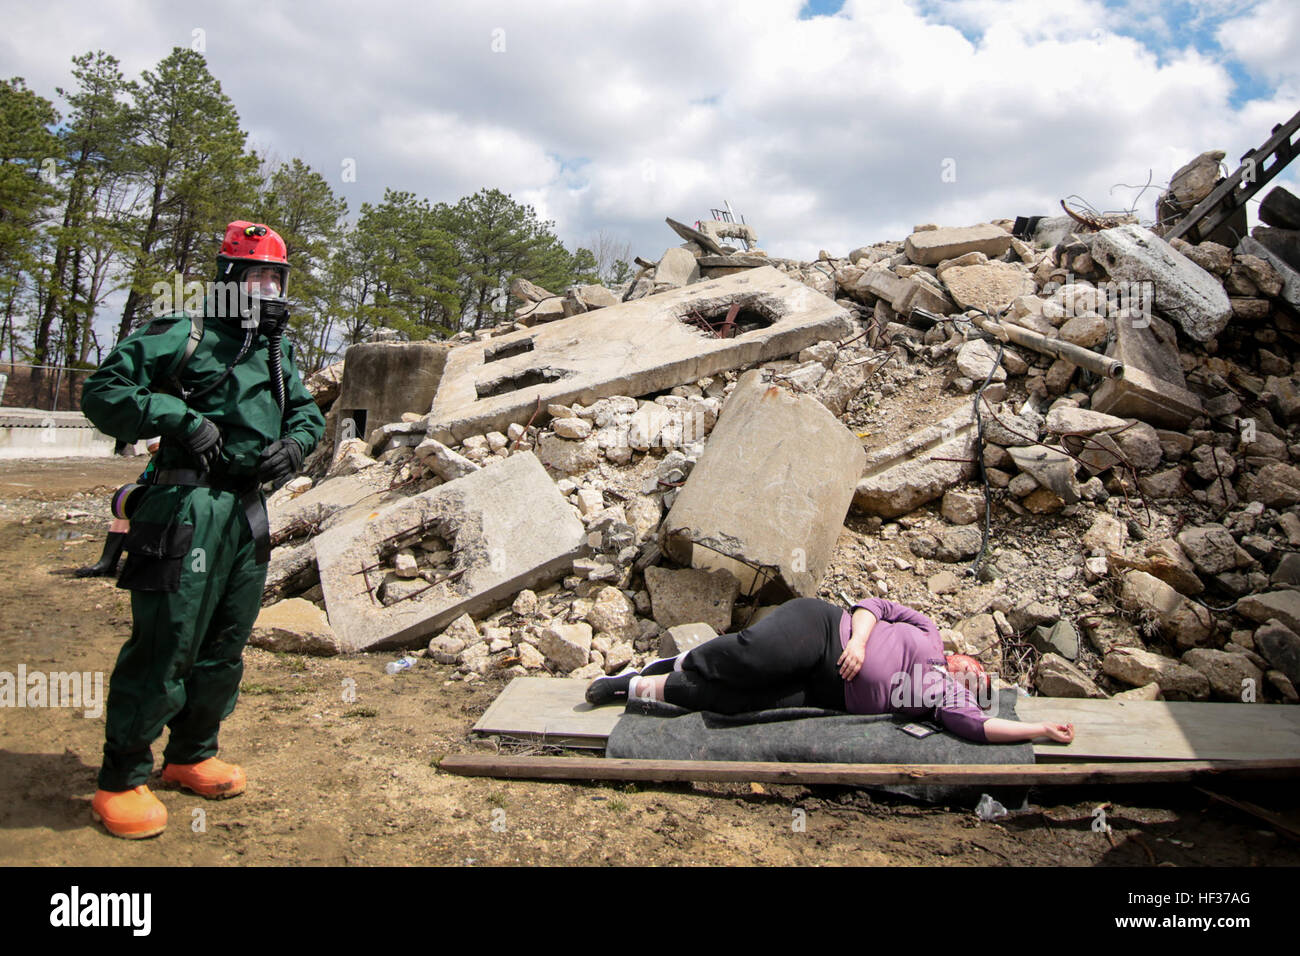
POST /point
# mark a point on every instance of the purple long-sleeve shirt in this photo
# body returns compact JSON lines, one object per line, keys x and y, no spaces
{"x":903,"y":671}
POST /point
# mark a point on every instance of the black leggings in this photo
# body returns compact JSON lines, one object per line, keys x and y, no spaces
{"x":788,"y":659}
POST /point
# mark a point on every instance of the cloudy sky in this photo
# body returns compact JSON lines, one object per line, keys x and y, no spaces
{"x":827,"y":124}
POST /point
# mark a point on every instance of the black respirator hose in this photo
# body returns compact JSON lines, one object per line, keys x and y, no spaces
{"x":277,"y":370}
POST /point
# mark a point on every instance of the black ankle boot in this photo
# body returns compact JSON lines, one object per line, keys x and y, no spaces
{"x":106,"y":567}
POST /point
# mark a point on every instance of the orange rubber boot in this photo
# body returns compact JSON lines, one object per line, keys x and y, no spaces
{"x":130,"y":814}
{"x":211,"y":778}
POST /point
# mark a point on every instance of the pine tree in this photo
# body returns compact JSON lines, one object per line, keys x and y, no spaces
{"x":193,"y":175}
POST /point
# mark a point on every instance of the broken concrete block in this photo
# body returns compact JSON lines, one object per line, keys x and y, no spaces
{"x":329,"y":503}
{"x":962,"y":507}
{"x":612,"y":611}
{"x":1276,"y":485}
{"x":508,"y":529}
{"x":1137,"y":668}
{"x":1178,"y":619}
{"x":977,"y":358}
{"x":594,"y":355}
{"x":911,"y":472}
{"x":1281,"y":647}
{"x":294,"y":626}
{"x":291,"y":570}
{"x":1284,"y":606}
{"x":1067,"y":419}
{"x":1211,"y":548}
{"x":1050,"y":467}
{"x":771,"y":489}
{"x":691,"y":595}
{"x":677,"y":267}
{"x":1183,"y":290}
{"x":1057,"y":677}
{"x":1229,"y":674}
{"x":1278,"y":247}
{"x":567,"y":456}
{"x":1140,"y":395}
{"x":682,"y":637}
{"x":931,"y":247}
{"x":442,"y":461}
{"x":991,"y":286}
{"x":567,"y":646}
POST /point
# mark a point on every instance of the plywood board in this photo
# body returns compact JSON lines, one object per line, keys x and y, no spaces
{"x":550,"y":710}
{"x":1166,"y":730}
{"x":554,"y":710}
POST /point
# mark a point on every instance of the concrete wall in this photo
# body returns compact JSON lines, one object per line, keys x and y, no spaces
{"x":382,"y":380}
{"x":33,"y":433}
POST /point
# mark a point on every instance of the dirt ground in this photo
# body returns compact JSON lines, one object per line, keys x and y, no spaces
{"x":335,"y":781}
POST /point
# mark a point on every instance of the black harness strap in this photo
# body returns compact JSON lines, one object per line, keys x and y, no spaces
{"x":250,"y":498}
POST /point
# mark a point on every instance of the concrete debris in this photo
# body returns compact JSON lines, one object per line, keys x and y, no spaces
{"x":919,"y":468}
{"x":680,"y":638}
{"x":1182,"y":289}
{"x":778,"y":469}
{"x":294,"y":626}
{"x":507,"y":528}
{"x":489,"y":388}
{"x":692,"y":595}
{"x":932,"y":246}
{"x":551,"y":496}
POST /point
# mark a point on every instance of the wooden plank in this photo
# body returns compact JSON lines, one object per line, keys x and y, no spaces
{"x":549,"y":710}
{"x":1166,"y":730}
{"x":663,"y":771}
{"x":1274,"y":820}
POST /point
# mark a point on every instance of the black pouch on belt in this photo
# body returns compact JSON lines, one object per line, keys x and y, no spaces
{"x":154,"y":553}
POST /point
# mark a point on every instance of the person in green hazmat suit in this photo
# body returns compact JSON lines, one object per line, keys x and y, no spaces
{"x":222,"y":390}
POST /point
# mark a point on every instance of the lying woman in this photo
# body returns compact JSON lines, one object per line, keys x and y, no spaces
{"x":883,"y":658}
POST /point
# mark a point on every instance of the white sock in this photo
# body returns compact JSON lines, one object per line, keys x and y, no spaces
{"x":677,"y":664}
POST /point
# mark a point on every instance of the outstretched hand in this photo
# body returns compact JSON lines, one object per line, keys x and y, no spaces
{"x":1060,"y":733}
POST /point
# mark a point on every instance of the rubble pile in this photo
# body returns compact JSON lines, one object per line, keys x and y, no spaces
{"x":574,"y":505}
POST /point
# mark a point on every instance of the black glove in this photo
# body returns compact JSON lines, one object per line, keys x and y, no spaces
{"x":280,"y":460}
{"x":204,"y":445}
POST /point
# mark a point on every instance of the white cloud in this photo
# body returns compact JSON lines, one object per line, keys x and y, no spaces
{"x":829,"y":132}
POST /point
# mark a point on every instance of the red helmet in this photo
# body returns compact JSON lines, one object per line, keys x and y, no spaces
{"x":249,"y":244}
{"x":252,"y":240}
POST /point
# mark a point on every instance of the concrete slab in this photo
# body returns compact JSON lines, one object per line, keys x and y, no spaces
{"x":1139,"y":395}
{"x":1183,"y":290}
{"x":507,"y":527}
{"x":1153,"y":387}
{"x":771,"y":489}
{"x":550,"y":710}
{"x":313,"y":510}
{"x":931,"y":247}
{"x":911,"y":472}
{"x":634,"y":348}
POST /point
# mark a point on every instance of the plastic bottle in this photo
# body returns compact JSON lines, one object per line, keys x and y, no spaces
{"x":399,"y":665}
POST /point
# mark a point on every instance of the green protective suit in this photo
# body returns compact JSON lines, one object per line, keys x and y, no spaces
{"x":191,"y":563}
